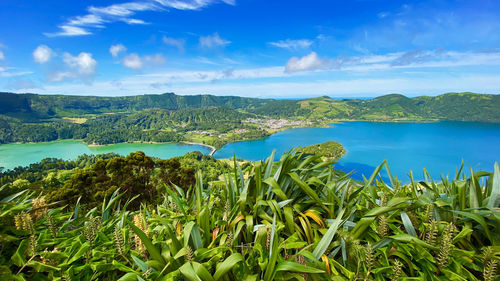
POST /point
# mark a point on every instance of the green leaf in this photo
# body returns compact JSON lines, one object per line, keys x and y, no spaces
{"x":191,"y":231}
{"x":41,"y":267}
{"x":130,"y":276}
{"x":328,"y":237}
{"x":13,"y":196}
{"x":308,"y":190}
{"x":479,"y":219}
{"x":296,"y":267}
{"x":188,"y":271}
{"x":495,"y":187}
{"x":80,"y":253}
{"x":202,"y":272}
{"x":227,"y":264}
{"x":407,"y":223}
{"x":361,"y":226}
{"x":411,"y":239}
{"x":153,"y":251}
{"x":18,"y":258}
{"x":140,"y":263}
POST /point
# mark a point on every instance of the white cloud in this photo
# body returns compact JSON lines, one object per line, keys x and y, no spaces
{"x":190,"y":4}
{"x":124,"y":9}
{"x":83,"y":63}
{"x":69,"y":30}
{"x":213,"y":41}
{"x":309,"y":62}
{"x":292,"y":44}
{"x":115,"y":50}
{"x":2,"y":56}
{"x":60,"y":76}
{"x":156,"y":59}
{"x":412,"y":59}
{"x":87,"y":20}
{"x":135,"y":21}
{"x":42,"y":54}
{"x":132,"y":61}
{"x":178,"y":43}
{"x":135,"y":62}
{"x":97,"y":17}
{"x":82,"y":67}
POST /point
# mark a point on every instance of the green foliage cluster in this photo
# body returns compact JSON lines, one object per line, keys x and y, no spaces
{"x":328,"y":151}
{"x":96,"y":177}
{"x":295,"y":219}
{"x":131,"y":174}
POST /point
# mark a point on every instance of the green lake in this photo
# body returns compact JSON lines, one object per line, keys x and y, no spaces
{"x":13,"y":155}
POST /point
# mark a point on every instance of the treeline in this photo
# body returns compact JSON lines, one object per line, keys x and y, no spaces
{"x":146,"y":126}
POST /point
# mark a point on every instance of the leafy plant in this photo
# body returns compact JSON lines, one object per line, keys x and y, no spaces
{"x":296,"y":218}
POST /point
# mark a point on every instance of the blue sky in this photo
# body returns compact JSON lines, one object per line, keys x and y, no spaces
{"x":259,"y":48}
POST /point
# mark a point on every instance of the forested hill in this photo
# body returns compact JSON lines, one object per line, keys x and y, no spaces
{"x":47,"y":106}
{"x":394,"y":107}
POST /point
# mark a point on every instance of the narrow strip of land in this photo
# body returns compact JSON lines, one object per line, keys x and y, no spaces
{"x":202,"y":144}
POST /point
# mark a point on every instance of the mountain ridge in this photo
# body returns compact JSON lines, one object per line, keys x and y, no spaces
{"x":391,"y":107}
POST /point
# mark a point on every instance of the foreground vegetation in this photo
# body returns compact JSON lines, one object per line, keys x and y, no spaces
{"x":214,"y":120}
{"x":297,"y":218}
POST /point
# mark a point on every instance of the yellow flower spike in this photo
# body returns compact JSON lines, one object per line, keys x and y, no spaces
{"x":327,"y":263}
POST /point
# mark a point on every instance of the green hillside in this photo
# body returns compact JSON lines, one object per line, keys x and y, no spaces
{"x":395,"y":107}
{"x":32,"y":106}
{"x":214,"y":120}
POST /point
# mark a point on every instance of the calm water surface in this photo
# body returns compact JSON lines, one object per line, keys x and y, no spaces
{"x":439,"y":147}
{"x":13,"y":155}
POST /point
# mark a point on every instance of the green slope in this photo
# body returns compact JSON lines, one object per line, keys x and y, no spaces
{"x":32,"y":106}
{"x":394,"y":107}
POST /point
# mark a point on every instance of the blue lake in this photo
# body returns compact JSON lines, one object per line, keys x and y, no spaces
{"x":439,"y":147}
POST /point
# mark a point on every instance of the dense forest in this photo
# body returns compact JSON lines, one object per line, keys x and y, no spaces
{"x":213,"y":120}
{"x":111,"y":217}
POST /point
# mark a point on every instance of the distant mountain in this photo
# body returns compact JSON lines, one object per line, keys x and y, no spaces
{"x":393,"y":107}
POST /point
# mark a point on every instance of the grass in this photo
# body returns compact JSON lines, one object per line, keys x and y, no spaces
{"x":293,"y":219}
